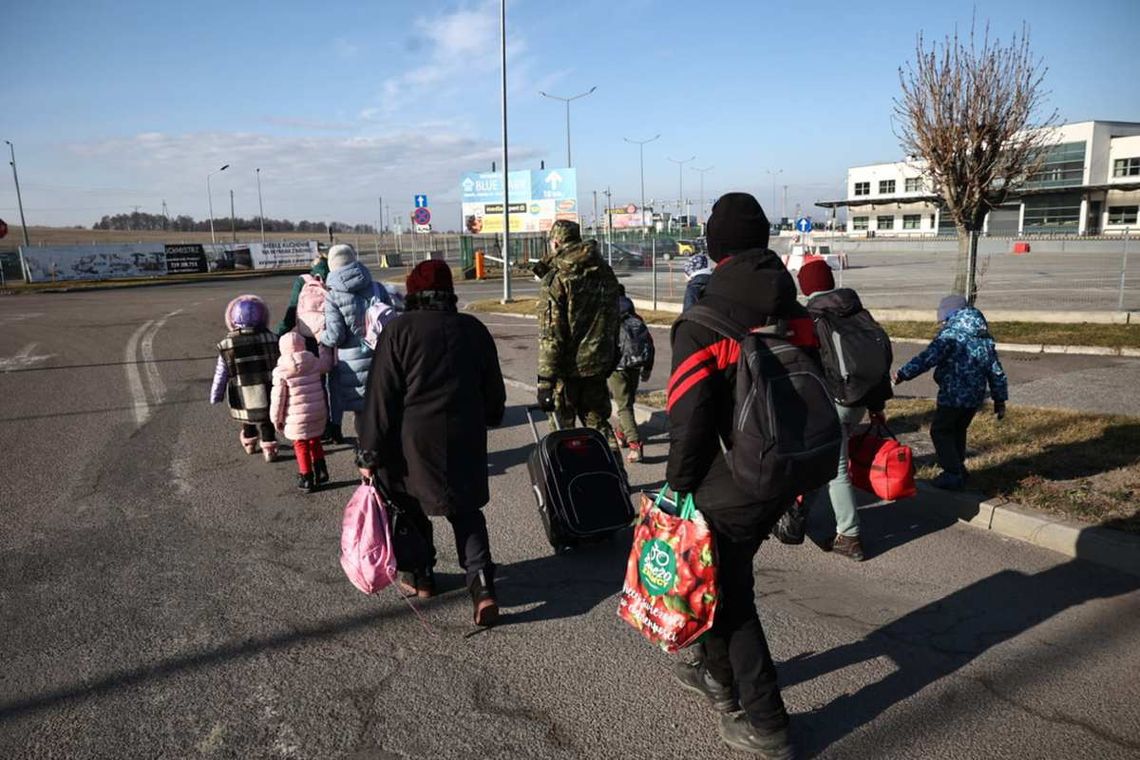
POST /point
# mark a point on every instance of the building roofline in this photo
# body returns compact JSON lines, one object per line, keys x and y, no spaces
{"x":1020,"y":193}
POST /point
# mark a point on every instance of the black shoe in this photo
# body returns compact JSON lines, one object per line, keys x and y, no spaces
{"x":848,"y":546}
{"x":695,"y":677}
{"x":421,"y":584}
{"x":739,"y":733}
{"x":305,"y":482}
{"x":332,"y":434}
{"x":483,"y":599}
{"x":321,"y":471}
{"x":792,"y":525}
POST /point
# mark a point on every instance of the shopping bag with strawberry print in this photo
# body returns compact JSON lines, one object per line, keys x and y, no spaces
{"x":670,"y":589}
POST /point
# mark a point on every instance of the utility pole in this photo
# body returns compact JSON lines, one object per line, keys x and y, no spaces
{"x":595,"y":213}
{"x":210,"y":199}
{"x":19,"y":199}
{"x":641,"y":156}
{"x":233,"y":226}
{"x":165,"y":215}
{"x":609,"y":230}
{"x":567,"y":101}
{"x":681,"y":180}
{"x":506,"y":167}
{"x":701,"y":208}
{"x":784,"y":206}
{"x":260,"y":207}
{"x":773,"y":173}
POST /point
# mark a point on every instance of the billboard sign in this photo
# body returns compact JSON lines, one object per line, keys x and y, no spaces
{"x":538,"y":198}
{"x":189,"y":258}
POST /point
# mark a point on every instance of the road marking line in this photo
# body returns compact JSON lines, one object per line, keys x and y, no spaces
{"x":134,"y":379}
{"x":154,"y":378}
{"x":23,"y":359}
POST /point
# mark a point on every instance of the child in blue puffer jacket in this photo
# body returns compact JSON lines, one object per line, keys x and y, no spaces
{"x":965,"y":361}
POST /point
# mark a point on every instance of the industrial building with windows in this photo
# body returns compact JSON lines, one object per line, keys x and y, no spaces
{"x":1088,"y":185}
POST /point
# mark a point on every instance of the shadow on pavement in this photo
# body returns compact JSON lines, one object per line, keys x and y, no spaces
{"x":944,"y":636}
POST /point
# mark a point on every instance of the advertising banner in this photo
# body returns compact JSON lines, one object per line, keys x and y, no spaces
{"x":286,"y":254}
{"x":537,"y":199}
{"x":93,"y":262}
{"x":189,"y":258}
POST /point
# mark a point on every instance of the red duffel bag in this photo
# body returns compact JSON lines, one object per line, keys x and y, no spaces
{"x":880,"y":464}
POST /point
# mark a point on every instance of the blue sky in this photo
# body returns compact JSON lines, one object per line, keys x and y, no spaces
{"x":113,"y":105}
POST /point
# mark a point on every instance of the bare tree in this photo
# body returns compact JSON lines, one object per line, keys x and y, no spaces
{"x":973,"y":113}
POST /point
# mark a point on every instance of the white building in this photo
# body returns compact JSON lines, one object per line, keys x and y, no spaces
{"x":1089,"y":185}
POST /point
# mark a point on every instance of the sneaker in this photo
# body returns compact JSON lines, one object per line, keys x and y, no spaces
{"x":634,"y":453}
{"x":739,"y":733}
{"x":483,"y":599}
{"x":695,"y":677}
{"x":949,"y":481}
{"x":421,"y":584}
{"x":321,"y":471}
{"x":305,"y":482}
{"x":270,"y":451}
{"x":848,"y":546}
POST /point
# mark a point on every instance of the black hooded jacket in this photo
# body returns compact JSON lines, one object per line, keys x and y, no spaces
{"x":752,"y":288}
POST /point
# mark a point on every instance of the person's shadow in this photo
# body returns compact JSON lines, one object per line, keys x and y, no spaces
{"x":944,"y":636}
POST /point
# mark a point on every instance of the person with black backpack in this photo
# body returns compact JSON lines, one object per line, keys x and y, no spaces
{"x":745,"y":381}
{"x":635,"y":363}
{"x":856,"y":356}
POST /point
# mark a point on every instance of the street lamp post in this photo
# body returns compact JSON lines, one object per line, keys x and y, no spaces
{"x":19,"y":199}
{"x":567,"y":102}
{"x":210,"y":198}
{"x":641,"y":156}
{"x":506,"y":171}
{"x":681,"y":180}
{"x":773,"y":173}
{"x":260,"y":207}
{"x":701,"y":208}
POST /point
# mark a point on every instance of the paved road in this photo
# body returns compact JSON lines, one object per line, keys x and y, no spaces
{"x":164,"y":595}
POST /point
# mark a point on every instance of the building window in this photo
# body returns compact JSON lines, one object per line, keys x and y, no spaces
{"x":1054,"y":213}
{"x":862,"y":188}
{"x":885,"y":222}
{"x":1126,"y":167}
{"x":912,"y":221}
{"x":1123,"y":214}
{"x":1064,"y":167}
{"x":913,"y":184}
{"x":886,"y":187}
{"x":859,"y":222}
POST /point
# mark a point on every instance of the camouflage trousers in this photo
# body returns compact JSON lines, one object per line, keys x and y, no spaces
{"x":587,"y":399}
{"x":623,"y":385}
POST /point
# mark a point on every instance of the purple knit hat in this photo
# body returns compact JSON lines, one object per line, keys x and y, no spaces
{"x":246,"y":312}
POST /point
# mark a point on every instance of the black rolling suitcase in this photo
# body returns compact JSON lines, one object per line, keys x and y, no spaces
{"x":580,"y":487}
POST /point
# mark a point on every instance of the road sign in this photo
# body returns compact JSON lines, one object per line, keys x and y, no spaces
{"x":421,"y":215}
{"x":803,"y":224}
{"x":3,"y":228}
{"x":421,"y":201}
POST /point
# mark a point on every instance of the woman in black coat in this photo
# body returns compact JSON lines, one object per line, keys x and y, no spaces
{"x":434,"y":388}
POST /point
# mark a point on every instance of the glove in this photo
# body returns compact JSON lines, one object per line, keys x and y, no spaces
{"x":545,"y":395}
{"x":999,"y":409}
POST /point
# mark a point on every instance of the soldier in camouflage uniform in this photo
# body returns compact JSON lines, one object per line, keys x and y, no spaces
{"x":577,"y":330}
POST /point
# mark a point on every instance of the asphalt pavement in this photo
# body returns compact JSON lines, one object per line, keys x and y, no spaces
{"x":164,"y":595}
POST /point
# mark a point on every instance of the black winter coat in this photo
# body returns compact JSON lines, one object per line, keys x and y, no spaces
{"x":434,"y":388}
{"x":752,"y":288}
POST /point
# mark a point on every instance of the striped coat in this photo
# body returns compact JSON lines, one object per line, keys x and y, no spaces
{"x":244,"y":373}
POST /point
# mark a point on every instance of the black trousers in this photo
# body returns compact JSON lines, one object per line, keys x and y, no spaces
{"x":948,"y":433}
{"x":472,"y":544}
{"x":264,"y":430}
{"x":736,"y":650}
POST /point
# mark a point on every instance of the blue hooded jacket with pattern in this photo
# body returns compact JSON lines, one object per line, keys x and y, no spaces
{"x":964,"y":359}
{"x":351,"y":290}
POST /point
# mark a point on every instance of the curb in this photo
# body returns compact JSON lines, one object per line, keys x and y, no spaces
{"x":151,"y":283}
{"x":1101,"y":546}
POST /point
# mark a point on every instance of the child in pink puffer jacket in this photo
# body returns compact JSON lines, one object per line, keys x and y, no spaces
{"x":297,"y":406}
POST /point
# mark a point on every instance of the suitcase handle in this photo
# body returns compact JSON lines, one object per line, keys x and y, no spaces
{"x":530,"y":418}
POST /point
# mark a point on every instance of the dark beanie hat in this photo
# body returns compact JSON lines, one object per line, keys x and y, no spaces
{"x":737,"y":223}
{"x":430,"y":275}
{"x":815,"y":276}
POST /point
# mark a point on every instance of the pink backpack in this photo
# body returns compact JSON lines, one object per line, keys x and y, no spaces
{"x":311,"y":307}
{"x":366,"y":551}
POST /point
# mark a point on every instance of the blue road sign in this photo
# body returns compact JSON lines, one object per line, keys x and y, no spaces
{"x":421,"y":201}
{"x":803,"y":224}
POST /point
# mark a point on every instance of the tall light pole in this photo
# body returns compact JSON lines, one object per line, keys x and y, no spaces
{"x":506,"y":168}
{"x":260,"y":207}
{"x":567,"y":102}
{"x":641,"y":155}
{"x":702,"y":206}
{"x":681,"y":180}
{"x":19,"y":200}
{"x":773,"y":173}
{"x":210,"y":197}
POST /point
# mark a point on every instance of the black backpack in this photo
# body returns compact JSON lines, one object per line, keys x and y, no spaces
{"x":786,"y":434}
{"x":854,"y":348}
{"x":635,"y":343}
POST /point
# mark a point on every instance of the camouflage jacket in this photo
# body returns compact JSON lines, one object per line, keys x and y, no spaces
{"x":578,"y":315}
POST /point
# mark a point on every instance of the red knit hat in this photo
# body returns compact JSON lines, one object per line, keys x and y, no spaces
{"x":815,"y":275}
{"x":430,"y":275}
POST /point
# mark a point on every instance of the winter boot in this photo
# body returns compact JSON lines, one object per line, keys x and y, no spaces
{"x":248,"y":443}
{"x":634,"y":455}
{"x":739,"y":733}
{"x":270,"y":451}
{"x":695,"y":677}
{"x":332,"y":434}
{"x":949,"y":481}
{"x":305,"y":482}
{"x":483,"y":598}
{"x":848,"y":546}
{"x":321,"y":471}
